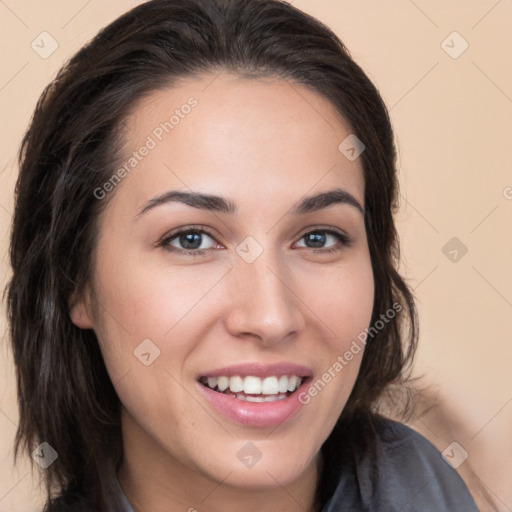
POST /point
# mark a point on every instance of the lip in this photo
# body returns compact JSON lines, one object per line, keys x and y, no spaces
{"x":257,"y":414}
{"x":260,"y":370}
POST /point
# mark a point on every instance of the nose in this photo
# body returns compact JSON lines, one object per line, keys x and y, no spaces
{"x":263,"y":302}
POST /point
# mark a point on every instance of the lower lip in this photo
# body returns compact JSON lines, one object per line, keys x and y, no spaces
{"x":256,"y":414}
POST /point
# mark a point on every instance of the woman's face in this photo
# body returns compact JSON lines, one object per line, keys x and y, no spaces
{"x":267,"y":294}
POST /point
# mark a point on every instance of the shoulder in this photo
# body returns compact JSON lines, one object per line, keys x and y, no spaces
{"x":404,"y":449}
{"x":413,"y":472}
{"x":403,"y":442}
{"x":407,"y":474}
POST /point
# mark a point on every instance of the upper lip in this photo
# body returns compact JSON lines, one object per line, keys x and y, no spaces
{"x":260,"y":370}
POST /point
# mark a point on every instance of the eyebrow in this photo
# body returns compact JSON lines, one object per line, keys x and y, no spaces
{"x":222,"y":205}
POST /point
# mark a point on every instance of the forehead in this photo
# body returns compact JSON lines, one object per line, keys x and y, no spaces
{"x":229,"y":135}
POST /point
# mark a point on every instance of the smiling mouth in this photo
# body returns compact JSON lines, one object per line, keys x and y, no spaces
{"x":255,"y":389}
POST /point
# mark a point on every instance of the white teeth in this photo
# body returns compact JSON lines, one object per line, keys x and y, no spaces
{"x":267,"y":398}
{"x":236,"y":384}
{"x":222,"y":383}
{"x":250,"y":398}
{"x":292,"y":382}
{"x":273,"y":398}
{"x":251,"y":385}
{"x":283,"y":384}
{"x":270,"y":386}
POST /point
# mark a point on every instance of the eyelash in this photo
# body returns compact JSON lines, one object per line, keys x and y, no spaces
{"x":345,"y":240}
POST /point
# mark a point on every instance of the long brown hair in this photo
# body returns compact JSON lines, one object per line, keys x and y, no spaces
{"x":73,"y":146}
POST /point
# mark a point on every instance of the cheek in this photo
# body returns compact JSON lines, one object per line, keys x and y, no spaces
{"x":350,"y":309}
{"x":351,"y":303}
{"x":146,"y":332}
{"x":151,"y":309}
{"x":342,"y":298}
{"x":150,"y":301}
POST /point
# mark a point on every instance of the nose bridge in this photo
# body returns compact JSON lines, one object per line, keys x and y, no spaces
{"x":263,"y":303}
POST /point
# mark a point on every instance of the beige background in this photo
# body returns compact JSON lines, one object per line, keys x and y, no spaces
{"x":453,"y":121}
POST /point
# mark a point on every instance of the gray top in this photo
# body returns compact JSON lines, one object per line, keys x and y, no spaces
{"x":413,"y":477}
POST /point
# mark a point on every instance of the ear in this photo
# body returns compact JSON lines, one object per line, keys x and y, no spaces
{"x":78,"y":312}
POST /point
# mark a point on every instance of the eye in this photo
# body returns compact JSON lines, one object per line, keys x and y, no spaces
{"x":192,"y":241}
{"x":327,"y":240}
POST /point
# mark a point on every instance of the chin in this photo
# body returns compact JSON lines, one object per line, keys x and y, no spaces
{"x":267,"y":468}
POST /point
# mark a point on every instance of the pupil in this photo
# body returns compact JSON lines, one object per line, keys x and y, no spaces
{"x":318,"y":239}
{"x":191,"y":240}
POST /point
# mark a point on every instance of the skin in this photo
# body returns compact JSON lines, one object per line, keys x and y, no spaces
{"x":264,"y":145}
